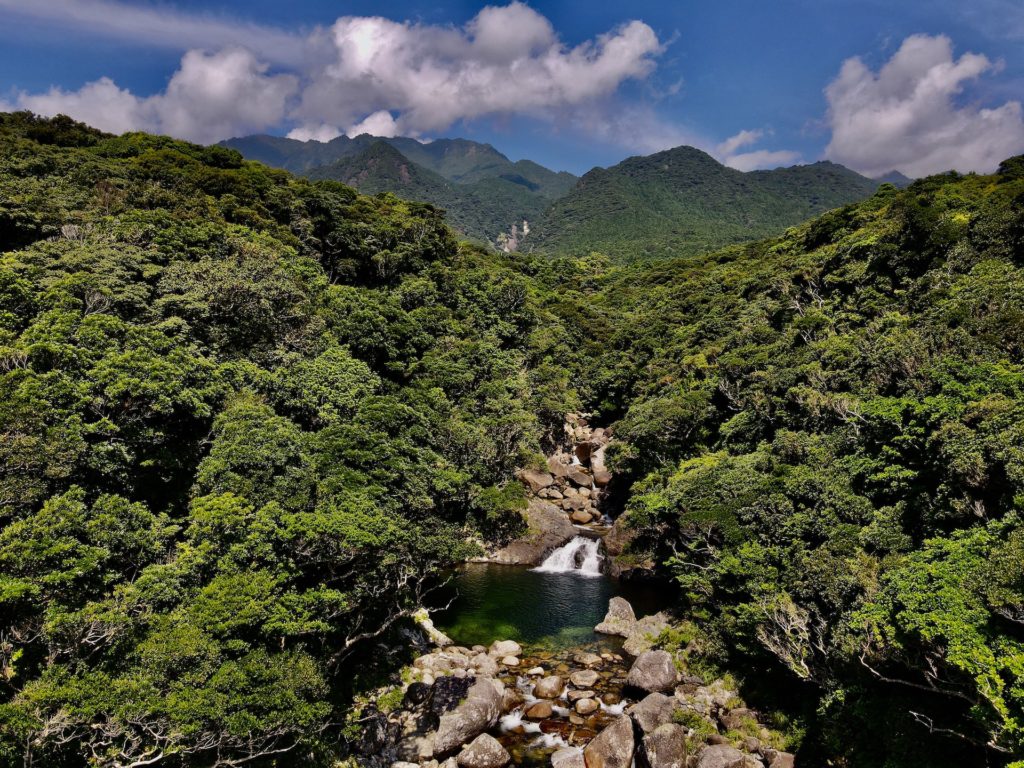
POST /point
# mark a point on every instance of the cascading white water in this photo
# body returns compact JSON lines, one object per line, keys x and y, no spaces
{"x":581,"y":555}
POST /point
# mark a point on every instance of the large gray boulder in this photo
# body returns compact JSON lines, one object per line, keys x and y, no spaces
{"x":484,"y":752}
{"x":568,"y":757}
{"x":724,"y":756}
{"x":503,"y":648}
{"x":478,"y":712}
{"x":644,"y":632}
{"x":619,"y":620}
{"x":612,"y":747}
{"x":653,"y":671}
{"x":548,"y":528}
{"x":665,"y":747}
{"x":655,"y":710}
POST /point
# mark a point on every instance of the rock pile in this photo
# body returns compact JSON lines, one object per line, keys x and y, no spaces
{"x":576,"y":474}
{"x":488,"y":707}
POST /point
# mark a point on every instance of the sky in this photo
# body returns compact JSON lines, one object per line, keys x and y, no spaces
{"x":919,"y":86}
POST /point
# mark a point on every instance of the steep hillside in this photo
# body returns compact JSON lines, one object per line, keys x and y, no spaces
{"x":484,"y":193}
{"x":247,"y":418}
{"x":482,"y":209}
{"x":820,"y":436}
{"x":683,"y":201}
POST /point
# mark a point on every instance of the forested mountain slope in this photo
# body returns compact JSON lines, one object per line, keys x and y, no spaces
{"x":683,"y":201}
{"x":245,"y":419}
{"x":824,"y":434}
{"x":483,"y":192}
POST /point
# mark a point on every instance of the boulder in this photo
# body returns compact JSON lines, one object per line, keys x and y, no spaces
{"x":776,"y":759}
{"x":587,"y":706}
{"x":602,"y":477}
{"x":654,"y":711}
{"x":584,"y":678}
{"x":580,"y":476}
{"x":483,"y":752}
{"x":619,"y":620}
{"x":581,"y":517}
{"x":501,"y":648}
{"x":568,"y":757}
{"x":510,"y":661}
{"x":484,"y":665}
{"x":536,"y":480}
{"x":587,"y":659}
{"x":723,"y":756}
{"x":644,"y":633}
{"x":535,"y":672}
{"x":478,"y":712}
{"x":612,"y":747}
{"x":735,"y":719}
{"x":575,"y":696}
{"x":665,"y":747}
{"x":542,"y":710}
{"x":548,"y":528}
{"x":653,"y":671}
{"x":574,"y":502}
{"x":557,"y":467}
{"x":549,"y":687}
{"x":583,"y":451}
{"x":447,"y":692}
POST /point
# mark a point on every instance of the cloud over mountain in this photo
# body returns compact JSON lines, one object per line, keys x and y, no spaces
{"x":908,"y":115}
{"x":367,"y":74}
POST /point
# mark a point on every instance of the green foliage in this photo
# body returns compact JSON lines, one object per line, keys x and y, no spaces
{"x":683,"y":202}
{"x":248,"y":422}
{"x":821,"y":434}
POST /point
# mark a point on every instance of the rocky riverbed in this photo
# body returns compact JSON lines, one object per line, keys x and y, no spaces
{"x":617,"y":703}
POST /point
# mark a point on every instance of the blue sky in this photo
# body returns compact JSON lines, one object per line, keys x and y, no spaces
{"x":920,"y":86}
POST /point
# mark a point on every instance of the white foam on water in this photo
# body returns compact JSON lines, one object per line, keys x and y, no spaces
{"x":580,"y":555}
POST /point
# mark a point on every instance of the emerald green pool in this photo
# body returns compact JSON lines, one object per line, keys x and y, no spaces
{"x":549,"y":610}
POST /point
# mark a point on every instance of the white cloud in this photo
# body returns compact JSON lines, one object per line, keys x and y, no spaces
{"x":762,"y":158}
{"x":752,"y":160}
{"x":380,"y":123}
{"x":506,"y":60}
{"x":741,"y":139}
{"x":907,"y":116}
{"x":311,"y":132}
{"x":210,"y":97}
{"x":362,"y":74}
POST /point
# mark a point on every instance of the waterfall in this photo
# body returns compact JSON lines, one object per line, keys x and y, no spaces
{"x":581,"y":555}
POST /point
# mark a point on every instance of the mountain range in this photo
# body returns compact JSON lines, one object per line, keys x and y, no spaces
{"x":679,"y":201}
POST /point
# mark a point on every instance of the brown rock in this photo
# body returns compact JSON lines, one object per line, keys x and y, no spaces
{"x":539,"y":711}
{"x":584,"y":678}
{"x":587,"y":706}
{"x":549,"y":528}
{"x":536,"y":480}
{"x":581,"y":517}
{"x":580,"y":476}
{"x":655,"y":710}
{"x":602,"y":477}
{"x":557,"y":467}
{"x":549,"y":687}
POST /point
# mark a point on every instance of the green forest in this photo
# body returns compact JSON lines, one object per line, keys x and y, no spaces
{"x":249,"y":419}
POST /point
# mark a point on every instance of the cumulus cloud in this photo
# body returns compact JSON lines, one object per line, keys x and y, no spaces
{"x":728,"y":152}
{"x":361,"y":74}
{"x":506,"y":60}
{"x":907,"y":116}
{"x":210,"y":97}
